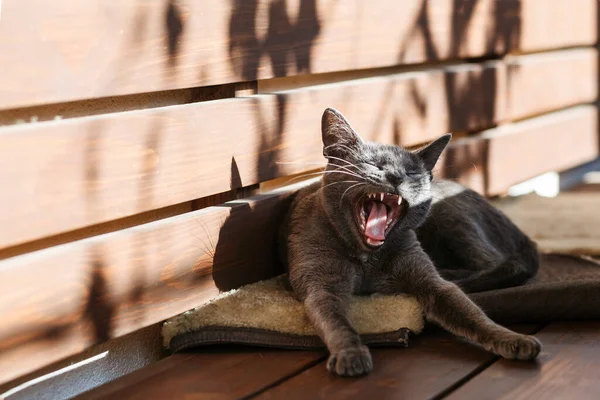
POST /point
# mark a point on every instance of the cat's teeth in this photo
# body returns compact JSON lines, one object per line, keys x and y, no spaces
{"x":399,"y":200}
{"x":381,"y":196}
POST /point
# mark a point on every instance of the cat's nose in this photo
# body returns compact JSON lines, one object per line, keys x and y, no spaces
{"x":393,"y":178}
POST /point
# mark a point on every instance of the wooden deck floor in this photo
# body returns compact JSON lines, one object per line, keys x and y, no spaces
{"x":435,"y":366}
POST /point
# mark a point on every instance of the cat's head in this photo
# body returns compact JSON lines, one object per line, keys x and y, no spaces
{"x":372,"y":190}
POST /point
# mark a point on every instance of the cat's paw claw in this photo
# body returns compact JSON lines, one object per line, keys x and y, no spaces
{"x":351,"y":362}
{"x":521,"y":347}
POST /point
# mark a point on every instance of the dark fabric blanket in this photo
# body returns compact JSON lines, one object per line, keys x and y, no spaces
{"x":567,"y":287}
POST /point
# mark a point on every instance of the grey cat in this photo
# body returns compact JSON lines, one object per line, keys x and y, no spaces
{"x":377,"y":223}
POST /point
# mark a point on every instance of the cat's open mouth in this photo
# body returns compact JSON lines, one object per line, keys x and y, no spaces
{"x":377,"y":214}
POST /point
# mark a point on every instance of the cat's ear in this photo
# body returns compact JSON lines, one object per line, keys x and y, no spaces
{"x":431,"y":153}
{"x":338,"y":136}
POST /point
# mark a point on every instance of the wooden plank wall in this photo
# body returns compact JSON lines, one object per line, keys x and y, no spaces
{"x":126,"y":125}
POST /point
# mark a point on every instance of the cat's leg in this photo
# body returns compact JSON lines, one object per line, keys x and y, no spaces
{"x":449,"y":307}
{"x":327,"y":309}
{"x":446,"y":305}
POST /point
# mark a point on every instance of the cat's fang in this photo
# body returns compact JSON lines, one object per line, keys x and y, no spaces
{"x":381,"y":196}
{"x":399,"y":200}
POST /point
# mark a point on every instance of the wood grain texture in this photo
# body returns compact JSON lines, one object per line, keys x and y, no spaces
{"x":428,"y":367}
{"x":576,"y":22}
{"x":86,"y":171}
{"x":71,"y":50}
{"x":230,"y":373}
{"x":59,"y":301}
{"x":553,"y":142}
{"x":111,"y":360}
{"x":545,"y":82}
{"x":493,"y":161}
{"x":568,"y":367}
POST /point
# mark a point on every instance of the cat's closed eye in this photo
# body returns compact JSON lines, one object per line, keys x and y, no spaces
{"x":379,"y":167}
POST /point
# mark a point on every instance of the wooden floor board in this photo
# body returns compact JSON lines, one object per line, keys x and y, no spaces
{"x":433,"y":363}
{"x":435,"y":366}
{"x":567,"y":368}
{"x":217,"y":373}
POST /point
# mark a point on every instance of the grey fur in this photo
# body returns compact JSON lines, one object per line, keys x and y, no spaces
{"x":445,"y":231}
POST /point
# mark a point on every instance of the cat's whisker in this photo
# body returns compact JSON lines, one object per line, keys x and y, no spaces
{"x":346,"y":170}
{"x":346,"y":191}
{"x":345,"y":173}
{"x":302,"y":176}
{"x":344,"y":166}
{"x":333,"y":183}
{"x":339,"y":167}
{"x":352,"y":151}
{"x":319,"y":163}
{"x":342,"y":160}
{"x":361,"y":176}
{"x":322,"y":173}
{"x":301,"y":162}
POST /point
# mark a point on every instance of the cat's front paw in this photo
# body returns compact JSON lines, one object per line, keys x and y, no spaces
{"x":518,"y":347}
{"x":351,"y":362}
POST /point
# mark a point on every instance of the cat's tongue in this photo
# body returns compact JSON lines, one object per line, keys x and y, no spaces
{"x":375,"y":228}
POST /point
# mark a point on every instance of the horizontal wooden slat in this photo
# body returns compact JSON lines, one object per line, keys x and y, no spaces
{"x":73,"y":173}
{"x":226,"y":374}
{"x":498,"y":158}
{"x":90,"y":368}
{"x":545,"y":82}
{"x":58,"y":301}
{"x":553,"y":142}
{"x":70,"y":50}
{"x":572,"y":23}
{"x":86,"y":171}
